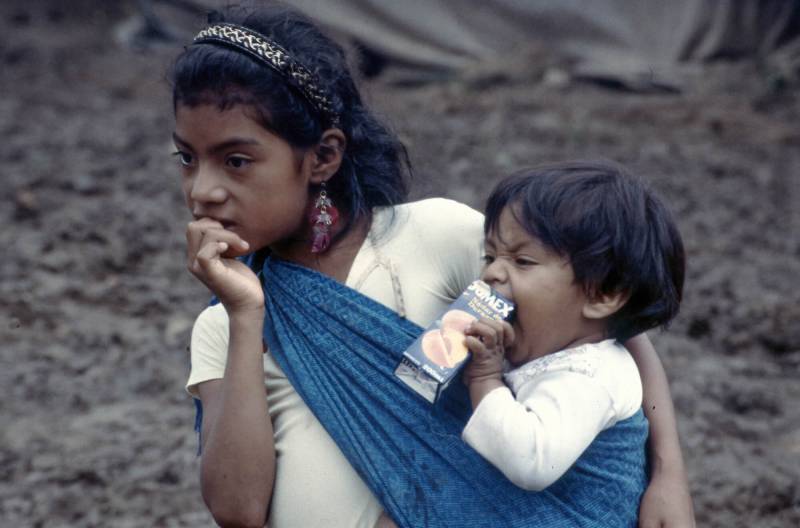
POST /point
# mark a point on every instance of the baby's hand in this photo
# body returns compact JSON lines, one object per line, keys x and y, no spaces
{"x":487,"y":339}
{"x":211,"y":252}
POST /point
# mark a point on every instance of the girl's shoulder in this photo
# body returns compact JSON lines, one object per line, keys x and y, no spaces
{"x":441,"y":210}
{"x":429,"y":218}
{"x":433,"y":248}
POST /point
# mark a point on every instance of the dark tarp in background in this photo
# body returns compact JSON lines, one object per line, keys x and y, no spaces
{"x":635,"y":42}
{"x":639,"y":44}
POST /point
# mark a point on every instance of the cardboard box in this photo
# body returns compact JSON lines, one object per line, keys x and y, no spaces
{"x":436,"y":357}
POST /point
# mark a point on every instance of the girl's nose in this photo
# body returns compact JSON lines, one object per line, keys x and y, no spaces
{"x":206,"y":187}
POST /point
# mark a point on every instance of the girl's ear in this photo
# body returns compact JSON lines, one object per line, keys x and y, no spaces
{"x":602,"y":305}
{"x":327,"y":155}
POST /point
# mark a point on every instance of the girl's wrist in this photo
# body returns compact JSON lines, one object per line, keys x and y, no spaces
{"x":664,"y":462}
{"x":247,"y":315}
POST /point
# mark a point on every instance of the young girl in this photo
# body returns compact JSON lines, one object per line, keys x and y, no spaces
{"x":591,"y":258}
{"x":282,"y":162}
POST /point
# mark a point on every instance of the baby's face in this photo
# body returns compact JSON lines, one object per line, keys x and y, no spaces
{"x":549,"y":303}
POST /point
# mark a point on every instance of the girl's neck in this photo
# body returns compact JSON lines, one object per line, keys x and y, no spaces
{"x":336,"y":261}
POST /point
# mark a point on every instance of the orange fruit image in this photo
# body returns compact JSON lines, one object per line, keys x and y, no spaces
{"x":445,"y":347}
{"x":457,"y":320}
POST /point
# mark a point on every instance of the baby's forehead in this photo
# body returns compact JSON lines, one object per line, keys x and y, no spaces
{"x":507,"y":227}
{"x":512,"y":237}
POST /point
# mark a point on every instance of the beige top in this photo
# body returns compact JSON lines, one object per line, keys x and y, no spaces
{"x":416,"y":260}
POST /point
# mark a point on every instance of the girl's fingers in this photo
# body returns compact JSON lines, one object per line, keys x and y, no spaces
{"x":205,"y":231}
{"x":208,"y":258}
{"x":195,"y":231}
{"x":211,"y":251}
{"x":236,"y":245}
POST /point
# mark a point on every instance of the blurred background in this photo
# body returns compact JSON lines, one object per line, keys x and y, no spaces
{"x":702,"y":98}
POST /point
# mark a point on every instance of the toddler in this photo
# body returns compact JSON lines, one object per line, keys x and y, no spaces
{"x":591,"y":258}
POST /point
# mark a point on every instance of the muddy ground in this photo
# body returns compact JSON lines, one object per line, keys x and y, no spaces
{"x":95,"y":428}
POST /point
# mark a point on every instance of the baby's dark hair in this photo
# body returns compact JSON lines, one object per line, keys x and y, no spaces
{"x":375,"y":164}
{"x":616,"y":233}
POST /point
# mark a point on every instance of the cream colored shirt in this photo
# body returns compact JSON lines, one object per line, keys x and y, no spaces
{"x":534,"y":429}
{"x":417,"y":258}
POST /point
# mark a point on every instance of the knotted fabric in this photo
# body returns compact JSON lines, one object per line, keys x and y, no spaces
{"x":339,"y":349}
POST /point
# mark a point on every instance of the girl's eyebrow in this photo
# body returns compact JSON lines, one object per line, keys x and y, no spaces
{"x":177,"y":139}
{"x":231,"y":143}
{"x":225,"y":145}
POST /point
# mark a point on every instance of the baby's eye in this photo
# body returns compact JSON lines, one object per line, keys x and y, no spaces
{"x":184,"y":158}
{"x":488,"y":259}
{"x":524,"y":261}
{"x":237,"y":162}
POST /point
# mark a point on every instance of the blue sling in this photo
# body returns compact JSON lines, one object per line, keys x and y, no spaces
{"x":339,"y":350}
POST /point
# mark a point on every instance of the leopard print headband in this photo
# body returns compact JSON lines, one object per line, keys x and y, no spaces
{"x":276,"y":57}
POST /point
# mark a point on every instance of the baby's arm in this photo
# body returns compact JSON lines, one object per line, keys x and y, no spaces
{"x":666,"y":501}
{"x":536,"y":438}
{"x":529,"y":439}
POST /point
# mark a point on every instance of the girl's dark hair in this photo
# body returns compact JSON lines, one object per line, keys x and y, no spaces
{"x":617,"y":235}
{"x":374,"y":165}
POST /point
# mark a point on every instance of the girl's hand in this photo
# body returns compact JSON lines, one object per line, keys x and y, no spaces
{"x":211,"y":252}
{"x":666,"y":502}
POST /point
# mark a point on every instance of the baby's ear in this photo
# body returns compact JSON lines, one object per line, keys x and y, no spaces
{"x":327,"y":155}
{"x":602,"y":305}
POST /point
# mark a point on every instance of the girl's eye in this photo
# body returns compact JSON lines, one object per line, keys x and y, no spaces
{"x":237,"y":162}
{"x":524,"y":261}
{"x":184,"y":158}
{"x":488,"y":259}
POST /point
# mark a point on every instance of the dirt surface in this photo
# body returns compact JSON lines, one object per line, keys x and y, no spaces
{"x":95,"y":428}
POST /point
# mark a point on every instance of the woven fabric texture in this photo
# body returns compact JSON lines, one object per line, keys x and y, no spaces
{"x":339,"y":350}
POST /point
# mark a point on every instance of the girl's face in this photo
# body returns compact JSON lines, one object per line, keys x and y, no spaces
{"x":240,"y":174}
{"x":549,"y":303}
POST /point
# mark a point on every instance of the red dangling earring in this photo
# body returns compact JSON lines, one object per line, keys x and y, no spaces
{"x":323,"y":216}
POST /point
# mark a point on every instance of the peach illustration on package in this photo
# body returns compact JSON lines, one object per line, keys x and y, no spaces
{"x":445,"y":346}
